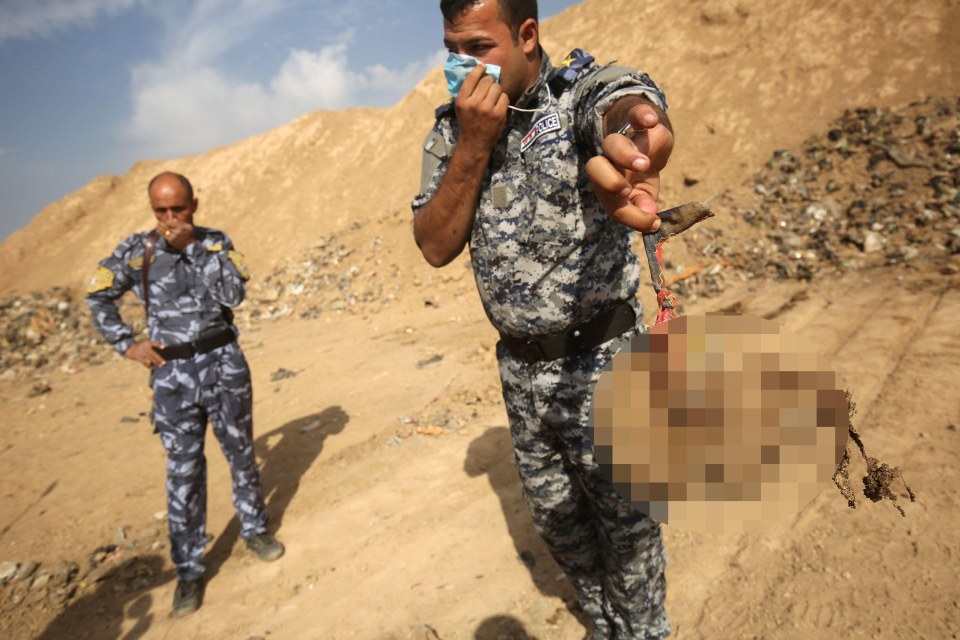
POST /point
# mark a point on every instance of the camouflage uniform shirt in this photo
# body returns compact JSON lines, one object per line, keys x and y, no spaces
{"x":545,"y":254}
{"x":189,"y":290}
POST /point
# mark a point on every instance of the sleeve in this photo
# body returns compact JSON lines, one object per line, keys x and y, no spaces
{"x":110,"y":281}
{"x":600,"y":90}
{"x":222,"y":270}
{"x":437,"y":149}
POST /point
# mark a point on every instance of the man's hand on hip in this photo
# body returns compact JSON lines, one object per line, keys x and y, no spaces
{"x":145,"y":353}
{"x":626,"y":178}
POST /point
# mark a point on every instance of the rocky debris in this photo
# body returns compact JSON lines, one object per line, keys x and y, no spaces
{"x":39,"y":388}
{"x":450,"y":413}
{"x":52,"y":329}
{"x":878,"y":187}
{"x":8,"y":570}
{"x":25,"y":571}
{"x":29,"y":586}
{"x":282,"y":374}
{"x":343,"y":272}
{"x":441,"y":421}
{"x":328,"y":277}
{"x":426,"y":362}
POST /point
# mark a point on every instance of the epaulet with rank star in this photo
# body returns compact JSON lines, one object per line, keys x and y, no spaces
{"x":444,"y":110}
{"x":567,"y":71}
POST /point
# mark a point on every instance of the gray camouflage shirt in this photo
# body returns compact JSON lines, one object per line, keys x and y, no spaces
{"x":190,"y":291}
{"x":545,"y":254}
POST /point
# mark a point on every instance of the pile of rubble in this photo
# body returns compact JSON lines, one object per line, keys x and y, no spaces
{"x":47,"y":330}
{"x":30,"y":586}
{"x":329,"y":276}
{"x":878,"y":187}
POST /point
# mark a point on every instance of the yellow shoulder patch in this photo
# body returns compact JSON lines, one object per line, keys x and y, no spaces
{"x":102,"y":279}
{"x":215,"y":247}
{"x":238,"y":261}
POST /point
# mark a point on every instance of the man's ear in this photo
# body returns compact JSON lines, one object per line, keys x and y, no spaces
{"x":529,"y":35}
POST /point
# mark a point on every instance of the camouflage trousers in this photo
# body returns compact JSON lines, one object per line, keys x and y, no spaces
{"x":612,"y":554}
{"x":214,"y":386}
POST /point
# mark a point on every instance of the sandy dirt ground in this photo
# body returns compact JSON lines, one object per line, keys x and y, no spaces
{"x":380,"y":428}
{"x":393,"y":535}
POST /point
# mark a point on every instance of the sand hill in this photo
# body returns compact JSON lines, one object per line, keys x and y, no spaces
{"x":381,"y":433}
{"x":742,"y":78}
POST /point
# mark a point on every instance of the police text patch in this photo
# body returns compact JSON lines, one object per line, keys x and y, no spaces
{"x":546,"y":124}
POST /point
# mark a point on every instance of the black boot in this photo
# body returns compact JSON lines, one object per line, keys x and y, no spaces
{"x":187,"y":597}
{"x":265,"y":546}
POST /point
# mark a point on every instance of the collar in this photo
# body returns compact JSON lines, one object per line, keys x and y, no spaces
{"x":532,"y":96}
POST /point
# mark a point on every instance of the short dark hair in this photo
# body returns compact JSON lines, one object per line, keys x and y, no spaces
{"x":180,"y":178}
{"x":512,"y":12}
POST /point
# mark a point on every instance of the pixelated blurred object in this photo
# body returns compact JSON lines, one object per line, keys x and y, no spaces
{"x":719,"y":423}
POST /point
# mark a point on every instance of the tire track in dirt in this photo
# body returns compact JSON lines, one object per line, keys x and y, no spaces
{"x":825,"y":584}
{"x":698,"y":560}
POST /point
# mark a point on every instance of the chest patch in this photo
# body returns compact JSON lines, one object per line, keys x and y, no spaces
{"x":546,"y":124}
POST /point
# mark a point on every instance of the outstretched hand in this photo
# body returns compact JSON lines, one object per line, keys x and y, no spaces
{"x":626,"y":178}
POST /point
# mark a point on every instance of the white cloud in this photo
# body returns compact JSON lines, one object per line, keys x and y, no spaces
{"x":34,"y":18}
{"x":185,"y":103}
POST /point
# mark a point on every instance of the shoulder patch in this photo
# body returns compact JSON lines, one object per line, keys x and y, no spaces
{"x":240,"y":263}
{"x":446,"y":109}
{"x":567,"y":71}
{"x":101,"y":280}
{"x":215,"y":247}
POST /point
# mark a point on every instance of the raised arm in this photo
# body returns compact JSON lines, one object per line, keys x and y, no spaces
{"x":112,"y":279}
{"x":442,"y":225}
{"x":223,"y":270}
{"x":622,"y":119}
{"x":626,"y":178}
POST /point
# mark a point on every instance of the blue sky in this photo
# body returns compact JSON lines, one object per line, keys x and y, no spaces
{"x":92,"y":86}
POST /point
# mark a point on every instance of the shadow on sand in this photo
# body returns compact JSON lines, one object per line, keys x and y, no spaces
{"x":284,"y":464}
{"x":491,"y":454}
{"x":132,"y":592}
{"x":128,"y":594}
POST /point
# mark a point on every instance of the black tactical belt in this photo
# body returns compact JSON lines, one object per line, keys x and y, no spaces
{"x":575,"y":340}
{"x":200,"y":345}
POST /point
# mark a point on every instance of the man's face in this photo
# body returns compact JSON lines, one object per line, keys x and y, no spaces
{"x":170,"y":202}
{"x":480,"y":33}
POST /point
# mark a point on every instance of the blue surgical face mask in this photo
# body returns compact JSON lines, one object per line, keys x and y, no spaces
{"x":457,"y":68}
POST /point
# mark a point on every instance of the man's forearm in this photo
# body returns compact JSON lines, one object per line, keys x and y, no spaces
{"x":442,"y":227}
{"x":109,"y":324}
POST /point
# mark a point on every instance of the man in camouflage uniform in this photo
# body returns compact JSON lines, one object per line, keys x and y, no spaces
{"x":547,"y":174}
{"x":197,"y":370}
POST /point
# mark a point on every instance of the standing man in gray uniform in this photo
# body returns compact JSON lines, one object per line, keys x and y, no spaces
{"x":546,"y":172}
{"x":188,"y":278}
